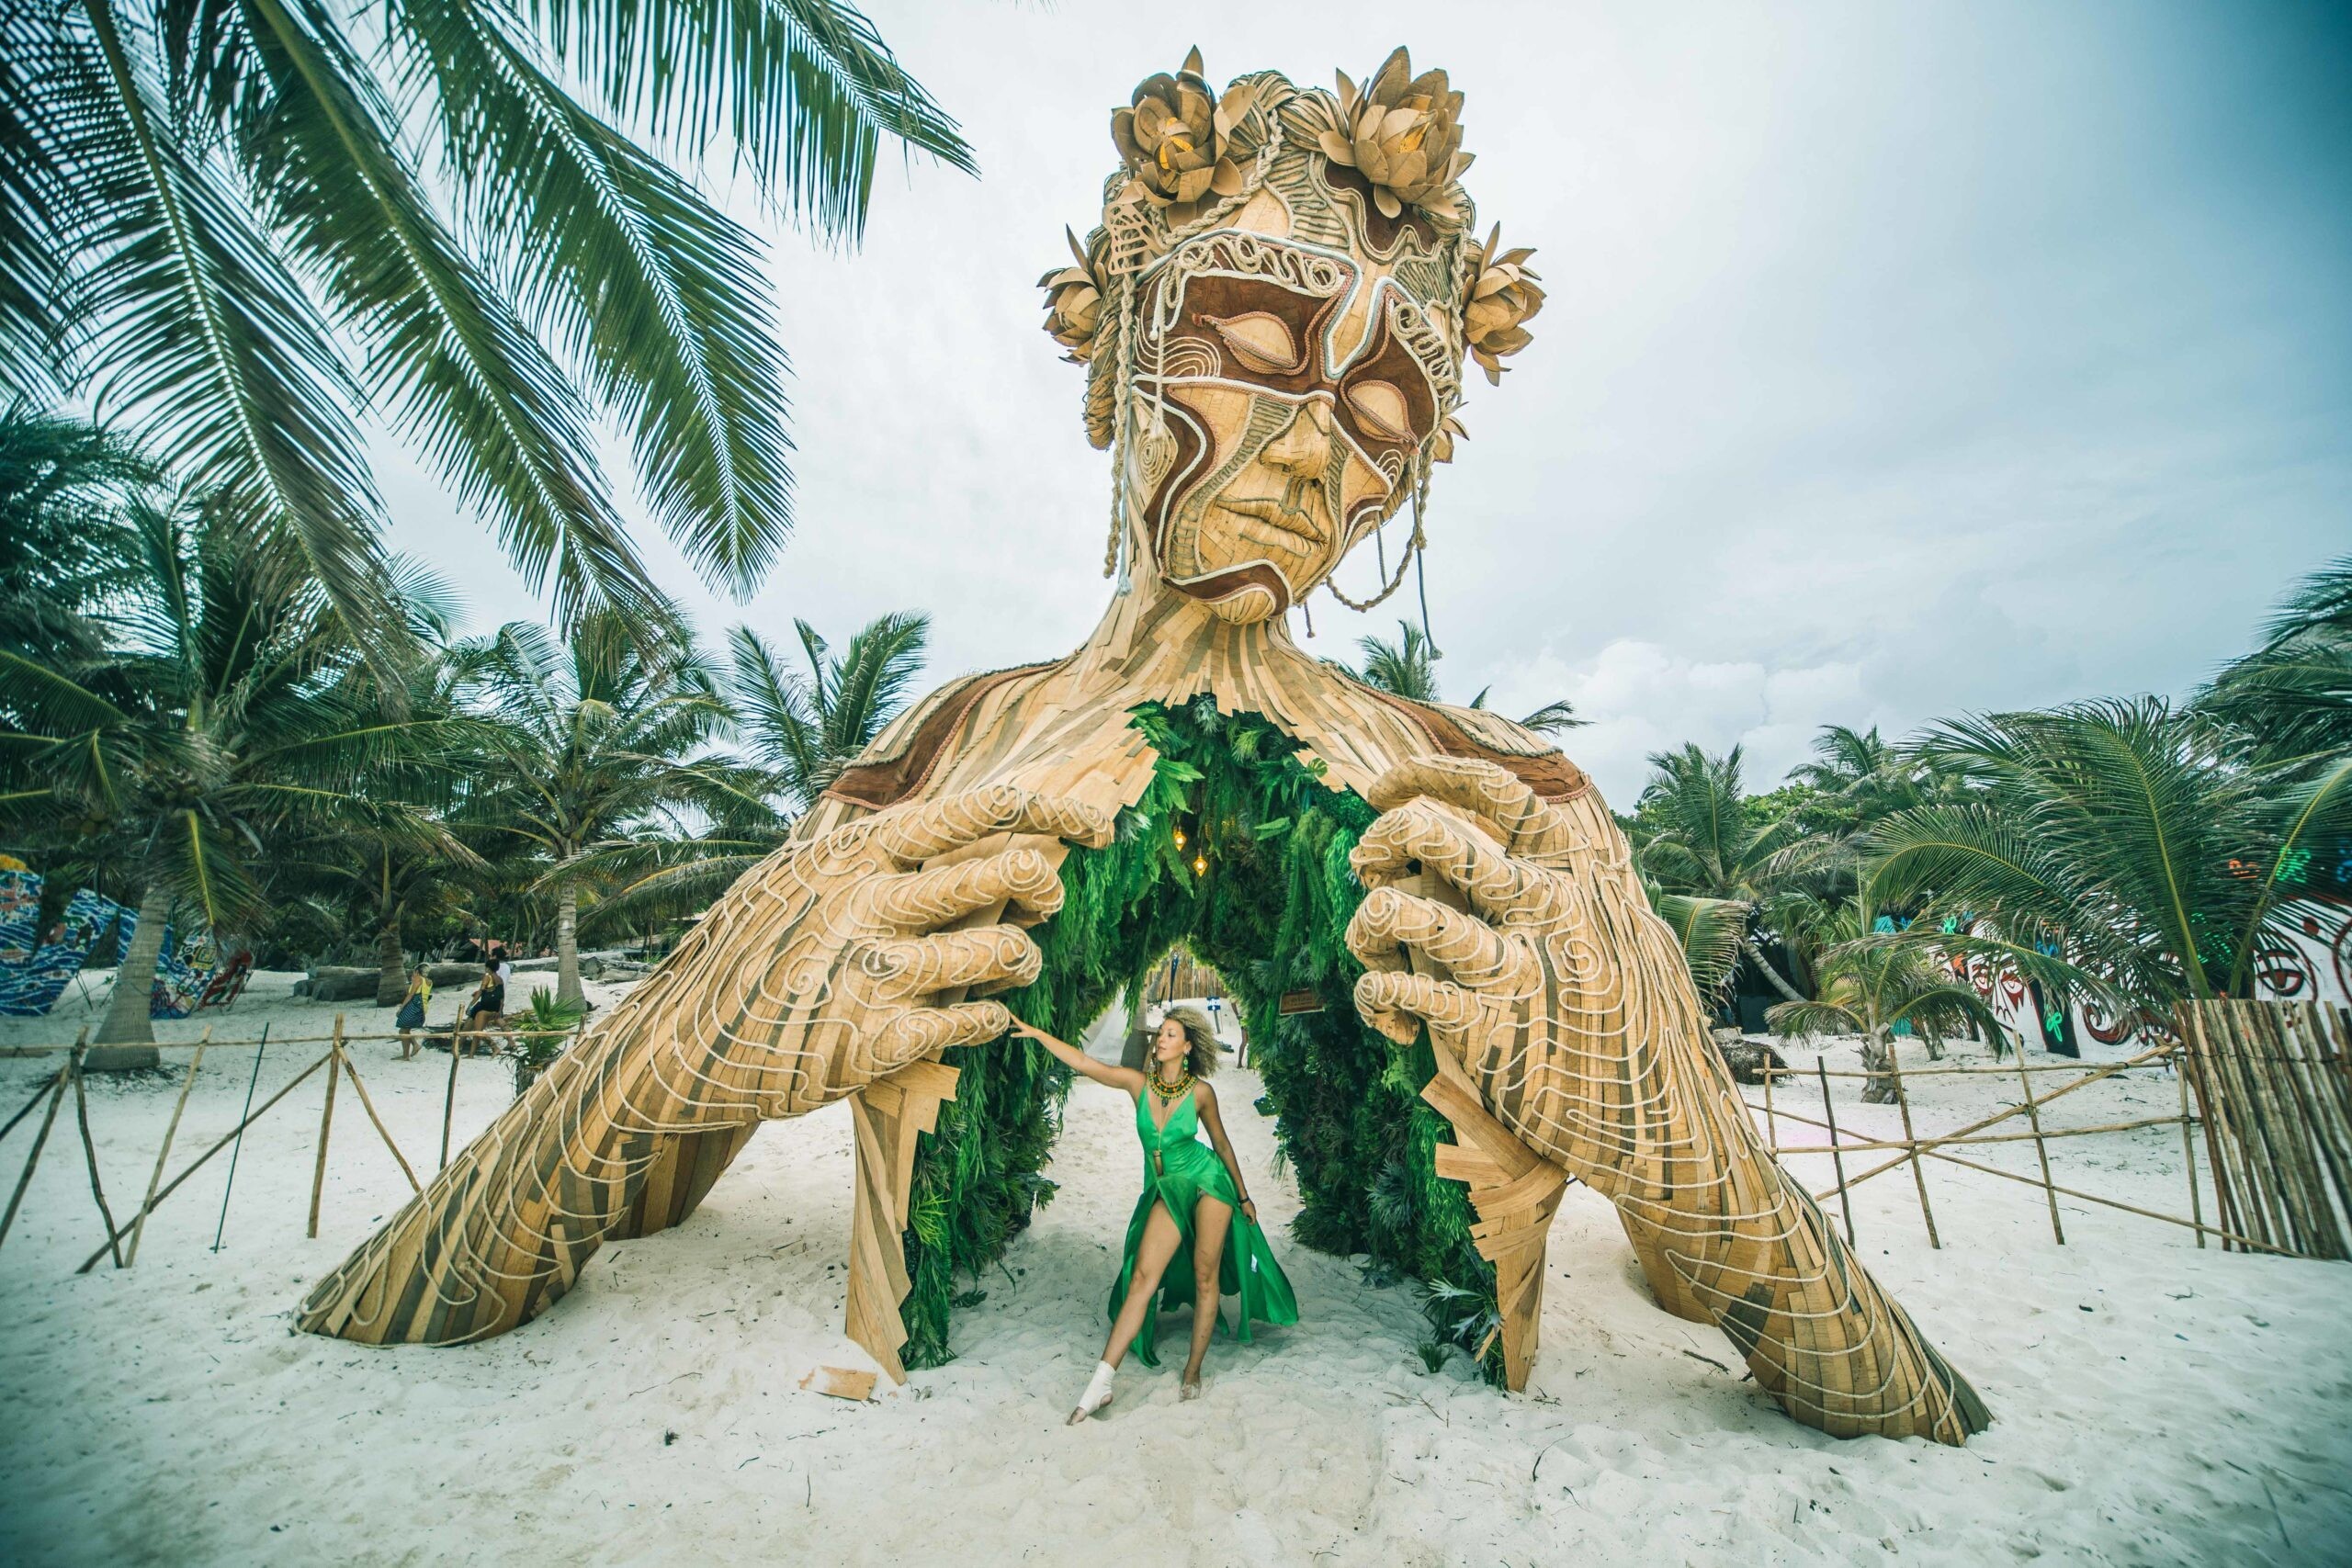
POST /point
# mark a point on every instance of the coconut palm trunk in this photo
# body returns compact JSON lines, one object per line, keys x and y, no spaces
{"x":1878,"y":1060}
{"x":1755,"y":951}
{"x":126,"y":1040}
{"x":392,"y":966}
{"x":568,"y":992}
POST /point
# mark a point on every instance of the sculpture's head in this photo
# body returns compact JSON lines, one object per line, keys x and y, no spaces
{"x":1273,"y":316}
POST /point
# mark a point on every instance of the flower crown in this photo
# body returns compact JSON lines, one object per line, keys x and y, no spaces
{"x":1384,"y":159}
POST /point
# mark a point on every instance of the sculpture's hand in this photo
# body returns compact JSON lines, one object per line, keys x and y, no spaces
{"x":843,"y":958}
{"x":1565,"y":1001}
{"x":1498,"y":981}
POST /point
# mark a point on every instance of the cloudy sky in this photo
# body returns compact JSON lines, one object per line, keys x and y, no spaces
{"x":1899,"y":360}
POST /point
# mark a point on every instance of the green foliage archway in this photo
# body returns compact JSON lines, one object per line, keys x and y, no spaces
{"x":1268,"y":912}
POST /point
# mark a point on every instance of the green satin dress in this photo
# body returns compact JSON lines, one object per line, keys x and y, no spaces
{"x":1179,"y":1169}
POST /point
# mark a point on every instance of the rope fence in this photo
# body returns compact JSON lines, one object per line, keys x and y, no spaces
{"x":337,"y":1061}
{"x":2273,"y":1090}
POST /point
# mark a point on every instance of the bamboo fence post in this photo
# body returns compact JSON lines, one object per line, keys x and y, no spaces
{"x":326,"y":1122}
{"x":234,"y":1134}
{"x":1836,"y":1154}
{"x":367,"y":1104}
{"x":1919,"y":1175}
{"x":2332,"y":1164}
{"x":2191,"y":1029}
{"x":2041,"y":1150}
{"x":449,"y":1096}
{"x":2188,"y":1149}
{"x":171,"y":1130}
{"x":260,"y":1047}
{"x":1771,"y":1128}
{"x":40,"y":1140}
{"x":90,"y":1153}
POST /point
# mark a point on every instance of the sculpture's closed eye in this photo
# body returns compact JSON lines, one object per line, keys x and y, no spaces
{"x":1382,"y":408}
{"x":1261,"y":340}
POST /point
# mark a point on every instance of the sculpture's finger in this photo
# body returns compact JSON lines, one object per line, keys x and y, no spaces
{"x":1527,"y":825}
{"x":925,"y":1031}
{"x":1021,"y":879}
{"x":993,"y":956}
{"x":1470,"y":952}
{"x":1420,"y":833}
{"x":935,"y":826}
{"x":1397,"y":1003}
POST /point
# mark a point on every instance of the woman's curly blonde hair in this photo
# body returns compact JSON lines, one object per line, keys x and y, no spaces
{"x":1198,"y":1035}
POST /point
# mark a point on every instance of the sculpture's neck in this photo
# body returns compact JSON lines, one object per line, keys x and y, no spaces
{"x":1152,"y":635}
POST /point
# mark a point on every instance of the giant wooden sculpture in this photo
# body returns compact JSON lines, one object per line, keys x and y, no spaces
{"x":1275,"y":316}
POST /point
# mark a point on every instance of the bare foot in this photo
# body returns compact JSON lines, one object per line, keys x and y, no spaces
{"x":1191,"y":1389}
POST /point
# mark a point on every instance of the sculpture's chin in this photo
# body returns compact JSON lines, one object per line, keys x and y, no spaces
{"x":1246,"y":608}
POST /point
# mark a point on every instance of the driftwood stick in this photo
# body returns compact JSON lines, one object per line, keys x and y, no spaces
{"x":326,"y":1124}
{"x":39,"y":1094}
{"x":40,"y":1140}
{"x":90,"y":1153}
{"x":367,"y":1104}
{"x":2041,"y":1150}
{"x":1836,"y":1154}
{"x":1919,"y":1175}
{"x":260,"y":1046}
{"x":449,"y":1098}
{"x":138,"y":1226}
{"x":226,"y":1139}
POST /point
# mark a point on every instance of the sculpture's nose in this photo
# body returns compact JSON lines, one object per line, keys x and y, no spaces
{"x":1303,"y":448}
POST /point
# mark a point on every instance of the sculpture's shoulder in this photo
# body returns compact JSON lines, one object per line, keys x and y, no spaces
{"x":903,"y":759}
{"x":1452,"y":730}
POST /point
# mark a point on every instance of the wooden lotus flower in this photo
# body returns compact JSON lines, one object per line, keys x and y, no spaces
{"x":1504,"y":293}
{"x":1403,"y":133}
{"x":1074,"y":303}
{"x":1177,"y":138}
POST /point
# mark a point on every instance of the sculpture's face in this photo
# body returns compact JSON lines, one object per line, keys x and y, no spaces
{"x":1296,"y":385}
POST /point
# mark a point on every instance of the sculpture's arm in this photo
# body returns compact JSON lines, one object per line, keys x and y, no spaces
{"x":837,"y":961}
{"x":1565,"y":999}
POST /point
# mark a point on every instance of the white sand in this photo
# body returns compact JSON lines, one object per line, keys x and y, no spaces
{"x":2154,"y":1402}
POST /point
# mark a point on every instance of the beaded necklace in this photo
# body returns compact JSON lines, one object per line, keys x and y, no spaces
{"x":1166,"y":1090}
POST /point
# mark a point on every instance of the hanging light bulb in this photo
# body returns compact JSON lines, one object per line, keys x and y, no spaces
{"x":1200,"y":866}
{"x":1180,"y":837}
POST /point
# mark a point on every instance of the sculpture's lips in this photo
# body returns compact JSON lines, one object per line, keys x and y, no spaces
{"x":1299,"y":525}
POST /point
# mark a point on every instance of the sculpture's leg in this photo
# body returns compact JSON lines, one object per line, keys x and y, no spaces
{"x":887,"y":1116}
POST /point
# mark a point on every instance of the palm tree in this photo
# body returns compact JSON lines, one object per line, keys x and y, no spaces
{"x":800,"y":730}
{"x":2292,"y":696}
{"x":62,"y":479}
{"x":1405,"y":668}
{"x":590,"y":740}
{"x":1696,"y":834}
{"x":1875,"y":987}
{"x":224,"y":709}
{"x":202,"y":204}
{"x":809,"y":727}
{"x":2114,"y":847}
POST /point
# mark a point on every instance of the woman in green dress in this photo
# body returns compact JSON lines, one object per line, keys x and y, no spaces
{"x":1186,"y":1217}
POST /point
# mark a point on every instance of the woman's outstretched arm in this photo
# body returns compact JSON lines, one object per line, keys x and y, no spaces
{"x":1126,"y":1078}
{"x":1205,"y":1100}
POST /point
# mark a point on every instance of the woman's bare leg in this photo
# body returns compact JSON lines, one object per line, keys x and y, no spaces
{"x":1159,"y":1239}
{"x":1210,"y":1221}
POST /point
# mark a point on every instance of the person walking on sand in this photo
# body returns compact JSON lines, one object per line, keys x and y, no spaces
{"x":410,"y":1018}
{"x":485,"y":1009}
{"x":1194,"y":1201}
